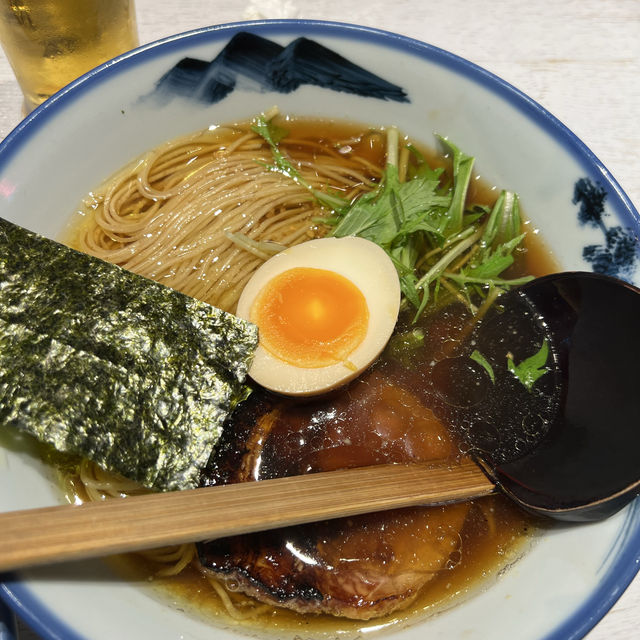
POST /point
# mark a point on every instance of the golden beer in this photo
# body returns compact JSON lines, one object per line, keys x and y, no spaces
{"x":49,"y":43}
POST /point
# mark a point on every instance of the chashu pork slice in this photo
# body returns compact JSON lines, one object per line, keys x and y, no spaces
{"x":359,"y":567}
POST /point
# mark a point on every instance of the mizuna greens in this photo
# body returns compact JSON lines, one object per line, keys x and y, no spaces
{"x":527,"y":372}
{"x":436,"y":239}
{"x":530,"y":369}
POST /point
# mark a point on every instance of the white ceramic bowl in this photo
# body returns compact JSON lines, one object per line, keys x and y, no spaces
{"x":573,"y":575}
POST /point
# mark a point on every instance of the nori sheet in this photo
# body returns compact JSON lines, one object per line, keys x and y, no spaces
{"x":101,"y":362}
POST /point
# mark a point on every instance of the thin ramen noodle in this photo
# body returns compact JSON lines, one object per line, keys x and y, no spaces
{"x":172,"y":216}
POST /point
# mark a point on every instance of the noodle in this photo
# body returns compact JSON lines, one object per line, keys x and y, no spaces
{"x":87,"y":482}
{"x":232,"y":609}
{"x":174,"y":558}
{"x":176,"y":215}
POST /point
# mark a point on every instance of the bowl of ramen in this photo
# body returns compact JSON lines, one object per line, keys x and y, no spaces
{"x":383,"y":192}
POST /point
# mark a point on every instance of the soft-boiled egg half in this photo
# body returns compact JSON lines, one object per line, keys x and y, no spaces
{"x":325,"y":309}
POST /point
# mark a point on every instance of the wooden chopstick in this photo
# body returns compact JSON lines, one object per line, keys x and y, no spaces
{"x":71,"y":532}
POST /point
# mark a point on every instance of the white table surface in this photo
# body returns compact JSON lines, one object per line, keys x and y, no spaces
{"x":580,"y":59}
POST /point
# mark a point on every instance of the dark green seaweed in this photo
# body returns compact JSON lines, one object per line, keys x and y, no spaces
{"x":101,"y":362}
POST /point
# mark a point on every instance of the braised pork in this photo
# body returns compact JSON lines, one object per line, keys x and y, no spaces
{"x":358,"y":567}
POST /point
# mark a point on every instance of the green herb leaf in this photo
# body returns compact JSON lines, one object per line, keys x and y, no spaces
{"x":404,"y":218}
{"x":504,"y":220}
{"x":273,"y":134}
{"x":462,"y":170}
{"x":403,"y":346}
{"x":532,"y":368}
{"x":500,"y":238}
{"x":476,"y":356}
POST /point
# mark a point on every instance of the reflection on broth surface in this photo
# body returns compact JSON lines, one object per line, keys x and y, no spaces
{"x":367,"y":566}
{"x":172,"y":217}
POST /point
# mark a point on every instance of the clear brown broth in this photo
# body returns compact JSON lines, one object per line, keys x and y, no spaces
{"x":495,"y":532}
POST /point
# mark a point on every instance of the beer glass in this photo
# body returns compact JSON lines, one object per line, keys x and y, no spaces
{"x":49,"y":43}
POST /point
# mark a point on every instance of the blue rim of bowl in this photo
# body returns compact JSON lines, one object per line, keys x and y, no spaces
{"x":623,"y":568}
{"x":7,"y":626}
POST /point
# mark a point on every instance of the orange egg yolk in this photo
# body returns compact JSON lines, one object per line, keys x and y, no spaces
{"x":310,"y":317}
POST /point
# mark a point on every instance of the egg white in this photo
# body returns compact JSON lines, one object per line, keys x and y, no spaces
{"x":369,"y":268}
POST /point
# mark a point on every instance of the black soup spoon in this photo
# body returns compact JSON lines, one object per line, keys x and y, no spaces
{"x":568,"y":447}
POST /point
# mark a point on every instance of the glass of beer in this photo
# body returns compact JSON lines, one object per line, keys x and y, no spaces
{"x":49,"y":43}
